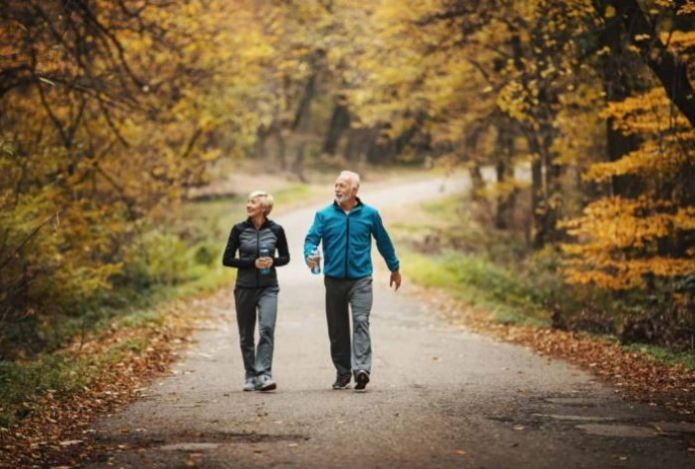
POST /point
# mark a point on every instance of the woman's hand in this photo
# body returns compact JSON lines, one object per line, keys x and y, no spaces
{"x":264,"y":263}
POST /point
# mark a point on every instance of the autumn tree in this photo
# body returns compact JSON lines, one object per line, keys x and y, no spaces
{"x":643,"y":238}
{"x":109,"y":111}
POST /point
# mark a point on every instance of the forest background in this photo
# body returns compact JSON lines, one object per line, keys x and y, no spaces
{"x":117,"y":117}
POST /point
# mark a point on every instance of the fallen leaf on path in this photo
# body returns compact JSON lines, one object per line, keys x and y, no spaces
{"x":460,"y":452}
{"x":518,"y":428}
{"x":70,"y":442}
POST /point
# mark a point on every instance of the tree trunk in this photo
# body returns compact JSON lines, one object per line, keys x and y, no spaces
{"x":552,"y":173}
{"x":665,"y":63}
{"x":303,"y":110}
{"x":617,"y":90}
{"x":543,"y":219}
{"x":543,"y":171}
{"x":299,"y":162}
{"x":282,"y":147}
{"x":340,"y":121}
{"x":379,"y":149}
{"x":477,"y":183}
{"x":504,"y":170}
{"x":259,"y":148}
{"x":537,"y":207}
{"x":353,"y":146}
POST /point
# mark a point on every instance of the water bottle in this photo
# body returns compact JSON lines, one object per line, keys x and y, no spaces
{"x":264,"y":252}
{"x":316,"y":255}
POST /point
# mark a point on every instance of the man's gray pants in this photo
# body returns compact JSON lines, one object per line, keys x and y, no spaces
{"x":341,"y":297}
{"x":251,"y":303}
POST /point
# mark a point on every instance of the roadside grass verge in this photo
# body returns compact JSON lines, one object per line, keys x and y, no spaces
{"x":31,"y":388}
{"x":443,"y":246}
{"x":478,"y":282}
{"x":664,"y":355}
{"x":96,"y":346}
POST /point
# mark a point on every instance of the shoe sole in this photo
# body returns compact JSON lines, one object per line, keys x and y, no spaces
{"x":362,"y":380}
{"x":341,"y":388}
{"x":269,"y":387}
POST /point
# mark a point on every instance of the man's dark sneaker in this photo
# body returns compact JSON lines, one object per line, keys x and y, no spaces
{"x":341,"y":382}
{"x":362,"y":378}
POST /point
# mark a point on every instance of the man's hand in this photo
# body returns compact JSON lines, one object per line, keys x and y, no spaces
{"x":395,"y":278}
{"x":311,"y":261}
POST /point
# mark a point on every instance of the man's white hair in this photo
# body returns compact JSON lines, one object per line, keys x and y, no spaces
{"x":352,"y":176}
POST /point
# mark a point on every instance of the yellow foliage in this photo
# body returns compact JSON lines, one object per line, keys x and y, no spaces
{"x":94,"y":152}
{"x":653,"y":159}
{"x":618,"y":242}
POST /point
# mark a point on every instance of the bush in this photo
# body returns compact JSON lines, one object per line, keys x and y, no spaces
{"x":54,"y":263}
{"x":157,"y":258}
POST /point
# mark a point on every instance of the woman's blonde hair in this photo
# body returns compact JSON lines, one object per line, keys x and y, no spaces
{"x":265,"y":199}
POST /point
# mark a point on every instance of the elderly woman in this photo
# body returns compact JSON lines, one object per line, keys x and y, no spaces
{"x":256,"y":291}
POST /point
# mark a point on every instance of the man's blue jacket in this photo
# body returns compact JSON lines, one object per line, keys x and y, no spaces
{"x":347,"y":242}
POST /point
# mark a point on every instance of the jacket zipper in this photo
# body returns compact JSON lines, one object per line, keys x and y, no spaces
{"x":258,"y":253}
{"x":347,"y":243}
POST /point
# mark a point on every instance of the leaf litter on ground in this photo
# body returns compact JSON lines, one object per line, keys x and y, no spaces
{"x":634,"y":376}
{"x":57,"y":431}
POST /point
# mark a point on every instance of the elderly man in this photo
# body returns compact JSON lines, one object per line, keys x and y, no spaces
{"x":345,"y":229}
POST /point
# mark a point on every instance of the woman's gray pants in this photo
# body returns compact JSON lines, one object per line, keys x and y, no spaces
{"x":341,"y":296}
{"x":249,"y":301}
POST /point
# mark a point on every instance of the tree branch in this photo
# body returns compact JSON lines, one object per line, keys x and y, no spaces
{"x":666,"y":65}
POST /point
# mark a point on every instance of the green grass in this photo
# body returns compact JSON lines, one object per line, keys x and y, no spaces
{"x":497,"y":272}
{"x":442,"y":208}
{"x":512,"y":299}
{"x":291,"y":194}
{"x":478,"y":282}
{"x":664,"y":355}
{"x":473,"y":272}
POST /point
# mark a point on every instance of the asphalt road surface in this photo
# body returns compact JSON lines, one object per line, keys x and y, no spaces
{"x":439,"y":396}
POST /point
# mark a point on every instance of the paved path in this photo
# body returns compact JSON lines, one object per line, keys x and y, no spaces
{"x":439,"y":397}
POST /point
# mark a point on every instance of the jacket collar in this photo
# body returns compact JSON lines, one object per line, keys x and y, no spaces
{"x":357,"y":205}
{"x":265,"y":224}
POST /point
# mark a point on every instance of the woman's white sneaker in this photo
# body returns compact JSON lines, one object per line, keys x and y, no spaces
{"x":250,"y":384}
